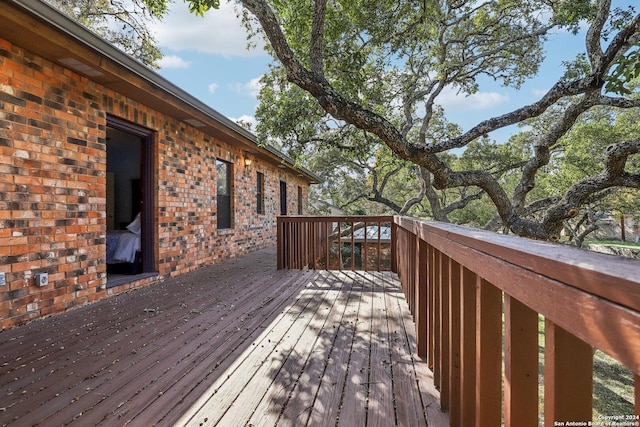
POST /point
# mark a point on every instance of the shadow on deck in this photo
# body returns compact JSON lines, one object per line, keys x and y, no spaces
{"x":239,"y":343}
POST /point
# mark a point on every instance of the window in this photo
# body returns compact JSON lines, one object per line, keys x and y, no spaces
{"x":260,"y":193}
{"x":299,"y":200}
{"x":223,"y":181}
{"x":283,"y":198}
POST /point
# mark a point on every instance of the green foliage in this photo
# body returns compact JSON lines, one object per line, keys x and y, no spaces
{"x":572,"y":13}
{"x":476,"y":214}
{"x":121,"y":22}
{"x":199,"y":7}
{"x":625,"y":71}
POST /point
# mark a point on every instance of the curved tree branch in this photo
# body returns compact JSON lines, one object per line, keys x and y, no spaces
{"x":587,"y":88}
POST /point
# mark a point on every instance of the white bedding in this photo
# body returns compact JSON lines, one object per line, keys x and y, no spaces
{"x":125,"y":247}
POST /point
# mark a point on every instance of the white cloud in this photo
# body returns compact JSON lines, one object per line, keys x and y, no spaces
{"x":173,"y":61}
{"x":219,"y":32}
{"x":251,"y":88}
{"x":213,"y":87}
{"x":451,"y":100}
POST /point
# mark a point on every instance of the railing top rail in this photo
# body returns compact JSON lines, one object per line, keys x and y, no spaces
{"x":586,"y":270}
{"x":337,"y":218}
{"x":594,"y":296}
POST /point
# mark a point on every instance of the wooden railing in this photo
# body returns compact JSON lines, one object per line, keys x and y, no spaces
{"x":335,"y":243}
{"x":477,"y":297}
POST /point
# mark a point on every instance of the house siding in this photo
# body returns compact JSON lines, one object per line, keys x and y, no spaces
{"x":53,"y":189}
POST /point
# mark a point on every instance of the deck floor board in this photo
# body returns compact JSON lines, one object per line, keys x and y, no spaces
{"x":238,"y":343}
{"x":353,"y":407}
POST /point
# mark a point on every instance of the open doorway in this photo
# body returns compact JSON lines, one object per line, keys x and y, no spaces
{"x":130,"y":249}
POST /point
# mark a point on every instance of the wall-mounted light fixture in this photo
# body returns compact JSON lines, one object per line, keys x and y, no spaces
{"x":247,"y":159}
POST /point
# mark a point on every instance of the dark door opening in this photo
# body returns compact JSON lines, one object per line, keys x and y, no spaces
{"x":130,"y":216}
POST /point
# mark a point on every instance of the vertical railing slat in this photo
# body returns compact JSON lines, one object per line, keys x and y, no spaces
{"x":327,"y":249}
{"x":444,"y":332}
{"x":314,"y":244}
{"x":339,"y":245}
{"x":636,"y":379}
{"x":413,"y":267}
{"x":455,"y":316}
{"x":379,"y":246}
{"x":353,"y":248}
{"x":521,"y":364}
{"x":435,"y":309}
{"x":568,"y":377}
{"x":468,"y":291}
{"x":394,"y":249}
{"x":488,"y":355}
{"x":422,"y":299}
{"x":431,"y":302}
{"x":299,"y":239}
{"x":363,"y":249}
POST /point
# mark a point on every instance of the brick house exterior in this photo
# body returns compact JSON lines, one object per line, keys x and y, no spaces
{"x":73,"y":110}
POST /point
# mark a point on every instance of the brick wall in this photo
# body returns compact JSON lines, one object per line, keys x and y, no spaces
{"x":53,"y":189}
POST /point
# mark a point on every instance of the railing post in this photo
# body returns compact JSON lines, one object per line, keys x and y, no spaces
{"x":394,"y":249}
{"x":488,"y":355}
{"x":521,"y":364}
{"x":280,"y":243}
{"x":568,"y":377}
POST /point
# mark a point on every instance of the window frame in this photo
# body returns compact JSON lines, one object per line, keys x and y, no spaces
{"x":224,"y":217}
{"x":259,"y":193}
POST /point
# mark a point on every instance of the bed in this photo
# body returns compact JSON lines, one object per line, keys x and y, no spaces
{"x":123,"y":249}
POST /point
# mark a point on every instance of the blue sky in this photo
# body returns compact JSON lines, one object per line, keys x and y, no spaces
{"x":208,"y":58}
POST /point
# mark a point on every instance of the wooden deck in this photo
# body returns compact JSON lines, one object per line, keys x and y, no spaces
{"x":235,"y":344}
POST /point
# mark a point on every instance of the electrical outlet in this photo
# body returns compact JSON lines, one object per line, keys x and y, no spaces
{"x":42,"y":279}
{"x":3,"y":278}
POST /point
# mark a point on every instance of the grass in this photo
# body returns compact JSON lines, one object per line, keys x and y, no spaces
{"x":612,"y":387}
{"x":613,"y":243}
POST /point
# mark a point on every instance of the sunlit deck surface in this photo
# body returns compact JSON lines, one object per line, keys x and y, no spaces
{"x":239,"y":343}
